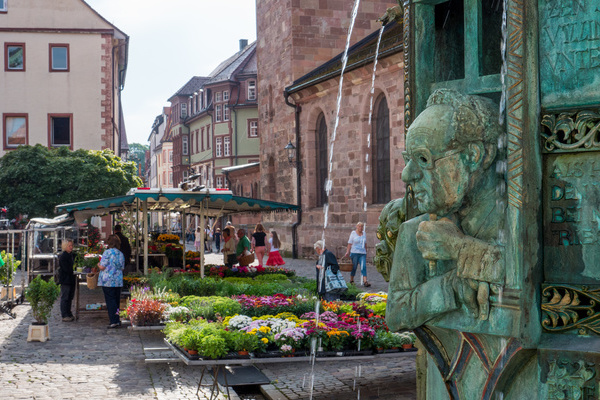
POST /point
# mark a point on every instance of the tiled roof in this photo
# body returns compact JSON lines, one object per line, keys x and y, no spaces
{"x":359,"y":55}
{"x":191,"y":86}
{"x":242,"y":62}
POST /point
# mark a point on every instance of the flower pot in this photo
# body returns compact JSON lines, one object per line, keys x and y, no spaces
{"x":407,"y":346}
{"x":38,"y":333}
{"x":243,"y":353}
{"x":192,"y":352}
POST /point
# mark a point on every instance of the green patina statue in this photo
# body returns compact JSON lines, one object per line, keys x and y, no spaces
{"x":443,"y":261}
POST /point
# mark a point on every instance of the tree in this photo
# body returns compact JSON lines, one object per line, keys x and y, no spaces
{"x":34,"y":179}
{"x":137,"y":154}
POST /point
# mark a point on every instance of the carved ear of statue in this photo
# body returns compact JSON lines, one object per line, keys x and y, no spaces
{"x":475,"y":153}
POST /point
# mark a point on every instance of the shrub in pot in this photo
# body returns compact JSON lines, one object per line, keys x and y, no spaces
{"x":41,"y":295}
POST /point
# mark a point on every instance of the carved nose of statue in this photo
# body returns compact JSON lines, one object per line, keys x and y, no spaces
{"x":411,"y":173}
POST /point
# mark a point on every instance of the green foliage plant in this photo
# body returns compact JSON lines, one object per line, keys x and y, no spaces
{"x":213,"y":346}
{"x":8,"y":267}
{"x":241,"y":341}
{"x":271,"y":277}
{"x":41,"y":295}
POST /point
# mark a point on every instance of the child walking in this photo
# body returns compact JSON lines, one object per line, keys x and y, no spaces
{"x":274,"y":256}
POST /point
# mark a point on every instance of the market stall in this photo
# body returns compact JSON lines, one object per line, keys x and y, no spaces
{"x":206,"y":203}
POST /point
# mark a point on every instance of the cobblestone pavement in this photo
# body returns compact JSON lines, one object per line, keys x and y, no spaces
{"x":83,"y":359}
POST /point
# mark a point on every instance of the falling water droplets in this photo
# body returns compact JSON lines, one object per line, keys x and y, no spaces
{"x":338,"y":106}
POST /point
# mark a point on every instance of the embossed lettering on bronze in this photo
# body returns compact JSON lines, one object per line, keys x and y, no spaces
{"x":572,"y":218}
{"x":569,"y":52}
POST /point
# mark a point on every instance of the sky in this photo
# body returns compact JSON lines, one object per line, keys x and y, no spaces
{"x":169,"y":43}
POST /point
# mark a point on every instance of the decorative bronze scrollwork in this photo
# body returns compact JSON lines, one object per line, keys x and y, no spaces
{"x":570,"y":380}
{"x":571,"y":131}
{"x":567,"y":307}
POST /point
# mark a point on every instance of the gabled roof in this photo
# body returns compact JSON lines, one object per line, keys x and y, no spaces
{"x":242,"y":62}
{"x":359,"y":55}
{"x":190,"y":87}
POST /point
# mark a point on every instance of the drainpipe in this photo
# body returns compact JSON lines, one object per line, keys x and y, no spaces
{"x":297,"y":110}
{"x":235,"y":129}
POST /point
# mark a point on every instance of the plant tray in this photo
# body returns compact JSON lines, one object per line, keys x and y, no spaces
{"x":349,"y":353}
{"x":269,"y":354}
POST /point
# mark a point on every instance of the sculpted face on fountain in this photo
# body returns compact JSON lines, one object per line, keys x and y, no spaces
{"x":445,"y":259}
{"x":434,"y":167}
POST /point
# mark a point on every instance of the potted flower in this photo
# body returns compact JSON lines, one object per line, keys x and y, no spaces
{"x":41,"y":295}
{"x":337,"y":339}
{"x":191,"y":340}
{"x":382,"y":340}
{"x":242,"y":342}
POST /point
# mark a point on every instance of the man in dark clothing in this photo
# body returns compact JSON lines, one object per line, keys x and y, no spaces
{"x":125,"y":246}
{"x":326,"y":259}
{"x":67,"y":281}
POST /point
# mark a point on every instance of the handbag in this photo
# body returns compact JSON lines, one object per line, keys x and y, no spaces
{"x":92,"y":280}
{"x":246,"y":259}
{"x":334,"y":283}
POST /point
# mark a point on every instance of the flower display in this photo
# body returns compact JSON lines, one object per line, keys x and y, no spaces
{"x":167,"y":238}
{"x":292,"y":336}
{"x":146,"y":312}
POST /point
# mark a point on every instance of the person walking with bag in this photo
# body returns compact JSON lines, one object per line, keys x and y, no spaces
{"x":67,"y":280}
{"x":326,"y":260}
{"x":357,"y":249}
{"x":111,"y":279}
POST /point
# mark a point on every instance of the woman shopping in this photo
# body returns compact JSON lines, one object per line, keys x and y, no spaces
{"x":274,"y":259}
{"x":229,"y":258}
{"x":67,"y":280}
{"x":357,"y":249}
{"x":258,"y":243}
{"x":111,"y":278}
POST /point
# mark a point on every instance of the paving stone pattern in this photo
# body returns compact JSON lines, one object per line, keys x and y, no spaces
{"x":83,"y":359}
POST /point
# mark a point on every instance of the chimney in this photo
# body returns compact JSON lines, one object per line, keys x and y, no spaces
{"x":243,"y":44}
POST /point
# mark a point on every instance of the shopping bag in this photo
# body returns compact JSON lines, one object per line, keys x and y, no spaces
{"x":92,"y":280}
{"x":334,"y":283}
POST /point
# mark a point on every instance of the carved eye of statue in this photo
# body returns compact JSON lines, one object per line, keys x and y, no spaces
{"x":379,"y":236}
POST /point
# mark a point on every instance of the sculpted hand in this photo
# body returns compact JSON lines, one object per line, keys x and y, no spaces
{"x":439,"y":240}
{"x":466,"y":294}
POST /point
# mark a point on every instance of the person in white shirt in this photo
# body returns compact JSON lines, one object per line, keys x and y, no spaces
{"x":357,"y":249}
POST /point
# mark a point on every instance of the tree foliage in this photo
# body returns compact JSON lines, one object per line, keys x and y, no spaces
{"x":34,"y":179}
{"x":137,"y":154}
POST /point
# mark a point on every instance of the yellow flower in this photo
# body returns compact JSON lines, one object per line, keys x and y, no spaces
{"x":265,"y":340}
{"x":264,"y":329}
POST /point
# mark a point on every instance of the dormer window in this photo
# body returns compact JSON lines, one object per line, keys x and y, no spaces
{"x":251,"y":90}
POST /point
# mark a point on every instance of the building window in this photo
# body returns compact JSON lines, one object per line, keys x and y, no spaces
{"x":170,"y":156}
{"x":219,"y":181}
{"x":61,"y":130}
{"x":59,"y":57}
{"x":225,"y":112}
{"x":185,"y":175}
{"x":183,"y":110}
{"x":184,"y":145}
{"x":225,"y":95}
{"x":218,"y":113}
{"x":3,"y":5}
{"x":381,"y":153}
{"x":219,"y":147}
{"x":15,"y":128}
{"x":202,"y":140}
{"x":192,"y":143}
{"x":14,"y":56}
{"x":321,"y":141}
{"x":217,"y":97}
{"x":227,"y":146}
{"x":251,"y":90}
{"x":253,"y":128}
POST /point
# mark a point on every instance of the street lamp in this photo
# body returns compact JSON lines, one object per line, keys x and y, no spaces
{"x":291,"y":152}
